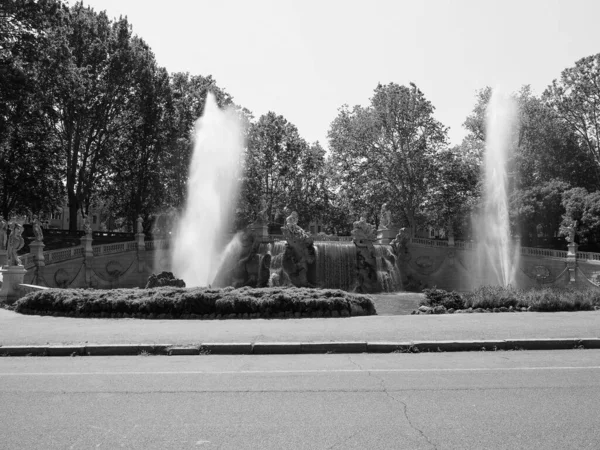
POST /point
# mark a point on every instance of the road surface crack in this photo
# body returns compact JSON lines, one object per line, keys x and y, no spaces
{"x":404,"y":405}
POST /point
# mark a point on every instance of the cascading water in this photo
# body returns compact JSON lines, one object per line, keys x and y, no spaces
{"x":336,"y":265}
{"x":388,"y":273}
{"x":211,"y":191}
{"x":496,"y":253}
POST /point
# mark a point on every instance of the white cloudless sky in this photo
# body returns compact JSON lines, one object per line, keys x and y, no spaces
{"x":304,"y":59}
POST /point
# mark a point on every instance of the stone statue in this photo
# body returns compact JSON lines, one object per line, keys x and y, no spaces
{"x":362,"y":230}
{"x":299,"y":254}
{"x":400,"y":241}
{"x":87,"y":227}
{"x":15,"y":243}
{"x":37,"y":229}
{"x":291,"y":225}
{"x":363,"y":236}
{"x":572,"y":231}
{"x":3,"y":229}
{"x":385,"y":217}
{"x":140,"y":226}
{"x":261,"y":216}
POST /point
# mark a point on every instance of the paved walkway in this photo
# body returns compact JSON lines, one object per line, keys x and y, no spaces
{"x":17,"y":329}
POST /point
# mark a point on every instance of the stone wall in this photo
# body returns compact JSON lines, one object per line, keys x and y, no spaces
{"x":435,"y":263}
{"x":117,"y":265}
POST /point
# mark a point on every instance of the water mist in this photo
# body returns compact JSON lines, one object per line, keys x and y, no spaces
{"x":212,"y":190}
{"x":498,"y":257}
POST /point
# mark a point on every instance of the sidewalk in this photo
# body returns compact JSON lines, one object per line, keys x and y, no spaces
{"x":501,"y":330}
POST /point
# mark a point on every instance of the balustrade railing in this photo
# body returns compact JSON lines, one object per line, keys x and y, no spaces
{"x":53,"y":256}
{"x":589,"y":256}
{"x":546,"y":252}
{"x":158,"y":244}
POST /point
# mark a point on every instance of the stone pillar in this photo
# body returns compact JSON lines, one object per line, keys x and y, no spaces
{"x":88,"y":252}
{"x":386,"y":235}
{"x":86,"y":243}
{"x":572,"y":260}
{"x":12,"y":277}
{"x":518,"y":241}
{"x":3,"y":260}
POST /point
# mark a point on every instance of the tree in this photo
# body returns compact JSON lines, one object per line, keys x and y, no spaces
{"x":583,"y":209}
{"x":30,"y":159}
{"x":538,"y":210}
{"x":576,"y":100}
{"x":282,"y":170}
{"x":136,"y":171}
{"x":456,"y":191}
{"x":390,"y":148}
{"x":95,"y":88}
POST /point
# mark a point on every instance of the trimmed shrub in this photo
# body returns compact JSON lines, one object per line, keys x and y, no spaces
{"x":505,"y":298}
{"x":439,"y":297}
{"x":164,"y":279}
{"x":489,"y":297}
{"x":173,"y":302}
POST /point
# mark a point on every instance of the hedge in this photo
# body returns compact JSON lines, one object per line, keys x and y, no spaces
{"x":196,"y":303}
{"x":507,"y":298}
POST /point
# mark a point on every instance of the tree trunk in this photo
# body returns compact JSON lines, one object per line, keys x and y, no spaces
{"x":73,"y":208}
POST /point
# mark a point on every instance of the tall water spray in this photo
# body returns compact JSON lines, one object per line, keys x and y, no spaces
{"x":497,"y":254}
{"x":212,"y":190}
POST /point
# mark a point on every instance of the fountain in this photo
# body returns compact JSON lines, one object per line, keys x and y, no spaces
{"x":497,"y":256}
{"x":212,"y":188}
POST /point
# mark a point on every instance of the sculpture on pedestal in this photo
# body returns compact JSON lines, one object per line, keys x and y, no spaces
{"x":299,"y":255}
{"x":363,"y":235}
{"x":37,"y":230}
{"x":15,"y":243}
{"x":140,"y":226}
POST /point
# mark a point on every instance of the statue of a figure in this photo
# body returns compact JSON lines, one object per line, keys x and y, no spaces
{"x":37,"y":229}
{"x":291,"y":223}
{"x":363,"y":230}
{"x":87,"y":227}
{"x":15,"y":243}
{"x":140,"y":226}
{"x":262,"y":216}
{"x":385,"y":217}
{"x":400,"y":241}
{"x":3,"y":229}
{"x":572,"y":231}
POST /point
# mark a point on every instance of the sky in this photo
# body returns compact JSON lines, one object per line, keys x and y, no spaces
{"x":304,"y":59}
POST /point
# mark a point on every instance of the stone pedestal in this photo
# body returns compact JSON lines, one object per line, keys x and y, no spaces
{"x":572,"y":260}
{"x":86,"y":243}
{"x":260,"y":230}
{"x":12,"y":277}
{"x":139,"y":238}
{"x":386,"y":235}
{"x":37,"y":250}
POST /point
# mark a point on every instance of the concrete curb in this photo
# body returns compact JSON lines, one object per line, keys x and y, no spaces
{"x":285,"y":348}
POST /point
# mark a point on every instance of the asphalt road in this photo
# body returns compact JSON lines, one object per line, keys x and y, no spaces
{"x":477,"y":400}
